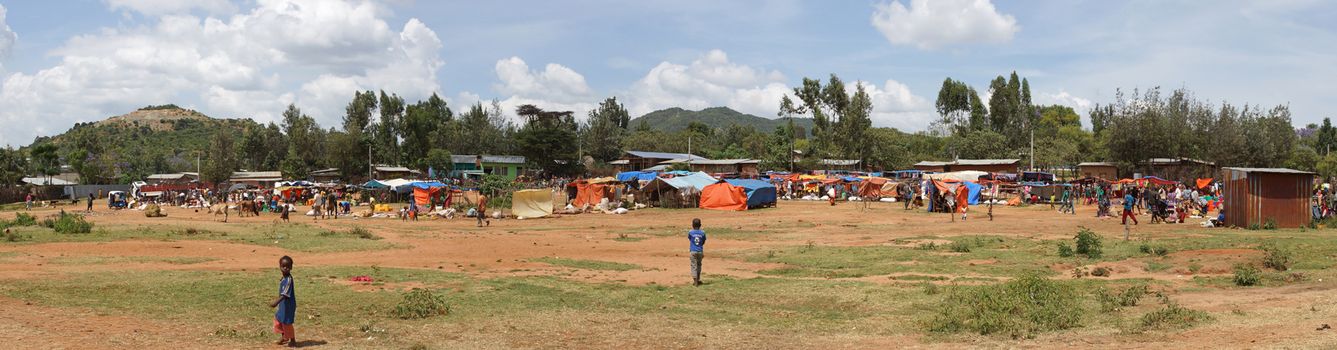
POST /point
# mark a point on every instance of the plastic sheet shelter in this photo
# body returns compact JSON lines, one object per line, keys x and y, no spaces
{"x":1256,"y":196}
{"x":629,"y":176}
{"x":424,"y":191}
{"x":588,"y":193}
{"x":723,"y":196}
{"x":531,"y":203}
{"x":968,"y":175}
{"x":873,"y":188}
{"x":759,"y":193}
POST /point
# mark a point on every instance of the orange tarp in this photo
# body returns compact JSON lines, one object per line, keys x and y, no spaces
{"x":1203,"y":183}
{"x":588,"y":193}
{"x":423,"y":196}
{"x":723,"y":196}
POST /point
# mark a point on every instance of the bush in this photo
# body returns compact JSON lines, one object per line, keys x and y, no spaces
{"x":959,"y":247}
{"x":1160,"y":251}
{"x":68,"y":223}
{"x":927,"y":246}
{"x":421,"y":303}
{"x":1088,"y":243}
{"x":1275,"y":257}
{"x":1018,"y":308}
{"x":1270,"y":224}
{"x":1065,"y":250}
{"x":356,"y":231}
{"x":1113,"y":301}
{"x":1173,"y":316}
{"x":1247,"y":275}
{"x":23,"y":219}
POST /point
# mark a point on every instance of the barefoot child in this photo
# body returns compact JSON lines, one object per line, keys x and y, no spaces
{"x":286,"y":304}
{"x":697,"y":237}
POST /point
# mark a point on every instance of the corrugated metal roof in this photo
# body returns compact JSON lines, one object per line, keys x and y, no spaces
{"x":469,"y":158}
{"x":620,"y":162}
{"x":663,"y":155}
{"x":170,"y":176}
{"x":256,"y":175}
{"x":987,"y":161}
{"x":839,"y":162}
{"x":42,"y":181}
{"x":1270,"y":170}
{"x":1095,"y":164}
{"x":1162,"y":161}
{"x":725,"y":161}
{"x":932,"y":163}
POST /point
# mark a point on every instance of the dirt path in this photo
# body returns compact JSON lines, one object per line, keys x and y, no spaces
{"x":28,"y":326}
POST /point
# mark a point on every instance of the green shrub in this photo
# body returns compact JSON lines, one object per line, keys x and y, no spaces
{"x":1270,"y":224}
{"x":927,"y":246}
{"x":1144,"y":248}
{"x":23,"y":219}
{"x":1018,"y":308}
{"x":1160,"y":251}
{"x":930,"y":288}
{"x":68,"y":223}
{"x":1275,"y":257}
{"x":421,"y":303}
{"x":1065,"y":250}
{"x":959,"y":247}
{"x":1254,"y":227}
{"x":1173,"y":316}
{"x":1247,"y":275}
{"x":1088,"y":243}
{"x":1126,"y":298}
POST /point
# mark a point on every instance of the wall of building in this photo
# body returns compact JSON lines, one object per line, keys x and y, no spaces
{"x":1005,"y":168}
{"x":1255,"y":198}
{"x":1106,"y":172}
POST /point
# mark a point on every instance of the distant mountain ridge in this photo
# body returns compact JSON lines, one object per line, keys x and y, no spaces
{"x":676,"y":119}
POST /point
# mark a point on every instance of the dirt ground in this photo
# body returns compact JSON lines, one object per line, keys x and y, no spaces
{"x":1283,"y":317}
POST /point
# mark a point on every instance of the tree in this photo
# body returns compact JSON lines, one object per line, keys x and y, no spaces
{"x":959,"y":108}
{"x":548,"y":140}
{"x":421,"y":122}
{"x":222,"y":159}
{"x":439,"y":161}
{"x":1326,"y":138}
{"x":840,"y":121}
{"x":606,"y":126}
{"x":1327,"y":166}
{"x":12,"y":166}
{"x":389,"y":129}
{"x":306,"y":143}
{"x":45,"y":161}
{"x":979,"y":144}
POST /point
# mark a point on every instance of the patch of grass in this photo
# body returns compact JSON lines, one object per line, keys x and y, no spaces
{"x":67,"y":223}
{"x":1019,"y":256}
{"x":355,"y":232}
{"x":100,"y":260}
{"x":296,"y":236}
{"x":588,"y":264}
{"x":919,"y":278}
{"x":1065,"y":250}
{"x":959,"y":247}
{"x":1156,"y":266}
{"x":930,"y":288}
{"x":23,"y":219}
{"x":421,"y":303}
{"x":1021,"y":308}
{"x":1275,"y":257}
{"x":1171,"y":317}
{"x":1247,"y":275}
{"x":1114,"y":301}
{"x":927,"y":246}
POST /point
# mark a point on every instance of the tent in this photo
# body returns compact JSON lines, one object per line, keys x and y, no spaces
{"x":676,"y":192}
{"x":588,"y":193}
{"x":375,"y":185}
{"x":531,"y":203}
{"x":423,"y":191}
{"x":1204,"y":183}
{"x":723,"y":196}
{"x":628,"y":176}
{"x":759,"y":193}
{"x":950,"y":187}
{"x":873,"y":188}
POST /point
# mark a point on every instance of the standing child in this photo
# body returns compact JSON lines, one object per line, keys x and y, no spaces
{"x":697,"y":238}
{"x":286,"y":304}
{"x":482,"y":211}
{"x":283,"y":212}
{"x":90,"y":202}
{"x":963,"y":200}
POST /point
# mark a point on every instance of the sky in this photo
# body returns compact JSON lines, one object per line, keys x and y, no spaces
{"x":63,"y":62}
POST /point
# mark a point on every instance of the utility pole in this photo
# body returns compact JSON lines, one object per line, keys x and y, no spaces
{"x":689,"y":152}
{"x":1032,"y":149}
{"x":369,"y":173}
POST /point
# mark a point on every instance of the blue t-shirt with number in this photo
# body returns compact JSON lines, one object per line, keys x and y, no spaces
{"x":287,"y":309}
{"x":698,"y":239}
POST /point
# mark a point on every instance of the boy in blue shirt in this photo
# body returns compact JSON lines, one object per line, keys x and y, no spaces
{"x":697,"y":238}
{"x":286,"y":304}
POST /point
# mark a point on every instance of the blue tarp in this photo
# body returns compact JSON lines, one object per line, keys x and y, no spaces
{"x":699,"y":180}
{"x":373,"y":184}
{"x":851,"y":179}
{"x":427,"y":184}
{"x":678,"y":172}
{"x":759,"y":193}
{"x":974,"y":196}
{"x":627,"y":176}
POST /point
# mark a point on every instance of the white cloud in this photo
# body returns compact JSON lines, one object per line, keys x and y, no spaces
{"x":930,"y":24}
{"x":314,"y":53}
{"x":1078,"y":104}
{"x":163,"y":7}
{"x":895,"y":106}
{"x":7,"y":36}
{"x":555,"y":88}
{"x":710,"y":80}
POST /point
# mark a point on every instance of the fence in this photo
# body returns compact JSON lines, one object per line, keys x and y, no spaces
{"x":82,"y":191}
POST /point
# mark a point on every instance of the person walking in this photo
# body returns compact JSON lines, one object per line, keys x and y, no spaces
{"x":697,"y":238}
{"x":1128,"y":203}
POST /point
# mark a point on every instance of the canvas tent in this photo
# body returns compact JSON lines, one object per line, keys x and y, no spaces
{"x":723,"y":196}
{"x":676,"y":192}
{"x":968,"y":175}
{"x":759,"y":193}
{"x":531,"y":203}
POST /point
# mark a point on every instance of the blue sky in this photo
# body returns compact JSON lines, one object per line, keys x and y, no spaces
{"x":85,"y":60}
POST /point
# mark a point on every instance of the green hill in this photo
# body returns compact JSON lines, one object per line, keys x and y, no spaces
{"x":675,"y":119}
{"x":154,"y":139}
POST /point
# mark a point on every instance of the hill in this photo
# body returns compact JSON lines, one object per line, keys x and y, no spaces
{"x":675,"y":119}
{"x":154,"y":139}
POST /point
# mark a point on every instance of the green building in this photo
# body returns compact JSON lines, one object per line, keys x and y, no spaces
{"x":472,"y":166}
